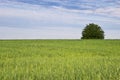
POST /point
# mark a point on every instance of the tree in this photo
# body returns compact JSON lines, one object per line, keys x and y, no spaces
{"x":92,"y":31}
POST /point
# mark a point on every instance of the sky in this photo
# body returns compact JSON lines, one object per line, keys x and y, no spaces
{"x":57,"y":19}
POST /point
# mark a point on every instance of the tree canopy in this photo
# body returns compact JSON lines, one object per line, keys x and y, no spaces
{"x":92,"y":31}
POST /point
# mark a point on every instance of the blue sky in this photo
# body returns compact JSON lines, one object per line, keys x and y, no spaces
{"x":57,"y":19}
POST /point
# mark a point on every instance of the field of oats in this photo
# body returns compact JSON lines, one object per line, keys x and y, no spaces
{"x":59,"y":59}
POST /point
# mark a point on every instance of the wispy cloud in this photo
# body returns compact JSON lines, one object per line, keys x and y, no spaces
{"x":54,"y":13}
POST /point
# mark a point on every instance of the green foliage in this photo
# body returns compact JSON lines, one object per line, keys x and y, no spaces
{"x":59,"y":60}
{"x":92,"y":31}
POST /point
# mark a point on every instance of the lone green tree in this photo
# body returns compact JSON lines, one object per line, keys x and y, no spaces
{"x":92,"y":31}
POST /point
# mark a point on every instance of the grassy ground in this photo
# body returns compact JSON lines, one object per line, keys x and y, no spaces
{"x":59,"y":59}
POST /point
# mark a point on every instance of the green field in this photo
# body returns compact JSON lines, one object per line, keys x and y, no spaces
{"x":59,"y":59}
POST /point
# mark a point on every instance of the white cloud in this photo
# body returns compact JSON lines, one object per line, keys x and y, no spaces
{"x":113,"y":12}
{"x":47,"y":16}
{"x":57,"y":14}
